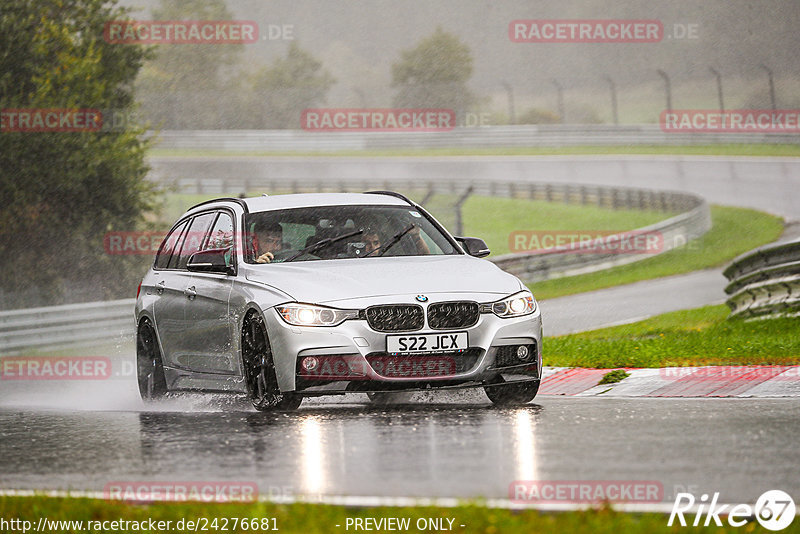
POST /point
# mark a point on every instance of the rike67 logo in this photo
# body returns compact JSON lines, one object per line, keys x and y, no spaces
{"x":774,"y":510}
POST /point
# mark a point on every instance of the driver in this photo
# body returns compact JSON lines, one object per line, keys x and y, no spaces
{"x":268,"y":240}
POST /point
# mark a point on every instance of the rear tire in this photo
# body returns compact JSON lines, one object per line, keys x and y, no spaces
{"x":149,"y":365}
{"x":511,"y":394}
{"x":259,"y":369}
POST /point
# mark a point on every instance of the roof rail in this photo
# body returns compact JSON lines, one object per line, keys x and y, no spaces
{"x":392,"y":194}
{"x":239,"y":201}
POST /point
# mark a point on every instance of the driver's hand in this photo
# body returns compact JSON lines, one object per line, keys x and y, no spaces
{"x":266,"y":257}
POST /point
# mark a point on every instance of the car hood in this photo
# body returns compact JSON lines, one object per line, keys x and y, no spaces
{"x":331,"y":281}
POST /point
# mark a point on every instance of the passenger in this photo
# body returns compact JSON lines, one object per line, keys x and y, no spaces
{"x":419,"y":243}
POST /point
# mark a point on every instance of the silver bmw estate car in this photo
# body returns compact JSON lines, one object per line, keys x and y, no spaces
{"x":291,"y":296}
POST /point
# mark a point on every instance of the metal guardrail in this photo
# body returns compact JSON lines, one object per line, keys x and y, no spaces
{"x":542,"y":135}
{"x":765,"y":281}
{"x":101,"y":323}
{"x":693,"y":221}
{"x":70,"y":325}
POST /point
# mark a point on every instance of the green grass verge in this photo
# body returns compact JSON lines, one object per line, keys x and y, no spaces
{"x":684,"y":150}
{"x":702,"y":336}
{"x":314,"y":518}
{"x":493,"y":219}
{"x":734,"y":231}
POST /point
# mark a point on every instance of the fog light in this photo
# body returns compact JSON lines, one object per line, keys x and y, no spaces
{"x":309,"y":363}
{"x":523,"y":353}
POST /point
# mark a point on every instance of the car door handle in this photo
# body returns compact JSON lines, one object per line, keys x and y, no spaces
{"x":160,"y":287}
{"x":190,"y":292}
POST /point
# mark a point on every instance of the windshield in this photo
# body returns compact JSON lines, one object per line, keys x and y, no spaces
{"x":336,"y":232}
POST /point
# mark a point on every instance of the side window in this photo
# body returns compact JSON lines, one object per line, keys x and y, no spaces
{"x":168,"y":246}
{"x":193,"y":240}
{"x":221,"y":235}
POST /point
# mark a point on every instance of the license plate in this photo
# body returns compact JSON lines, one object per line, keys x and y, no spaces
{"x":418,"y":343}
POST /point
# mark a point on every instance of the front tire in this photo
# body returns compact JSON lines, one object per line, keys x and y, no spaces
{"x":511,"y":394}
{"x":259,"y":369}
{"x":149,"y":365}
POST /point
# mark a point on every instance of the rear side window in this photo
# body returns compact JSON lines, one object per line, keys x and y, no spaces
{"x":168,"y":247}
{"x":192,"y":240}
{"x":221,"y":235}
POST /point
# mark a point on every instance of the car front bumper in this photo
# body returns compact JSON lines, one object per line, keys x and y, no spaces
{"x":353,"y":357}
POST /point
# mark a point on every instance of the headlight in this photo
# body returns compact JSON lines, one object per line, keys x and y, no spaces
{"x":516,"y":305}
{"x":310,"y":315}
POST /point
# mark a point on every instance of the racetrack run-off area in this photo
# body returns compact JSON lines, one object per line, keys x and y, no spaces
{"x":708,"y":381}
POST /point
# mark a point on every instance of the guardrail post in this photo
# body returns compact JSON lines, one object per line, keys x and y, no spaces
{"x":512,"y":118}
{"x":667,"y":88}
{"x":613,"y":87}
{"x":718,"y":76}
{"x":771,"y":85}
{"x":560,"y":92}
{"x":460,"y":202}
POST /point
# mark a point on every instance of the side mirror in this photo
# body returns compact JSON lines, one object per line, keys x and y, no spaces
{"x":474,"y":246}
{"x":213,"y":260}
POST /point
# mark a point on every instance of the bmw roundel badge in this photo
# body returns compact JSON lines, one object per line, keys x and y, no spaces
{"x":421,"y":298}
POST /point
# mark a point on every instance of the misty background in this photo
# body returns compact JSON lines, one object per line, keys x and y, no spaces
{"x":358,"y":42}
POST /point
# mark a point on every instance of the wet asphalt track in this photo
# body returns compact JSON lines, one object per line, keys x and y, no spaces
{"x":440,"y":445}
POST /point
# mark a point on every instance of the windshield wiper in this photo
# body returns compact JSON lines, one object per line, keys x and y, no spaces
{"x":389,"y":244}
{"x":321,"y":244}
